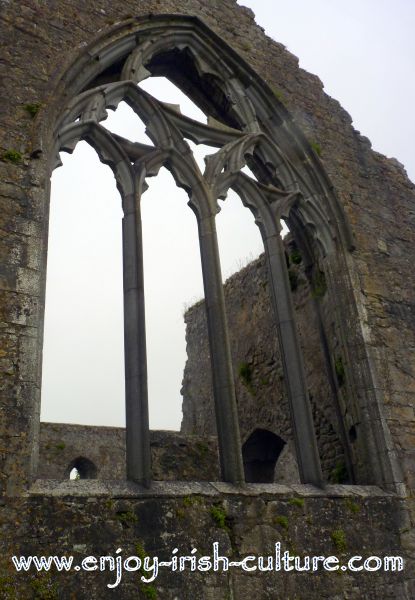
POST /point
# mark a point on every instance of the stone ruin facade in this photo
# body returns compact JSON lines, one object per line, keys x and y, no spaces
{"x":259,"y":378}
{"x":324,"y":387}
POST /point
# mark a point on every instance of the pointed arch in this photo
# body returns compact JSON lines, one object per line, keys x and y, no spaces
{"x":249,"y":116}
{"x":260,"y":452}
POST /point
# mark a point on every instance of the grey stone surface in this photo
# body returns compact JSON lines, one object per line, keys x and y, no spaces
{"x":174,"y":456}
{"x":257,"y":366}
{"x":64,"y":520}
{"x":353,"y":218}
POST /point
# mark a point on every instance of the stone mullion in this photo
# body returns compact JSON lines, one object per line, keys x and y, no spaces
{"x":301,"y":417}
{"x":222,"y":373}
{"x":136,"y":391}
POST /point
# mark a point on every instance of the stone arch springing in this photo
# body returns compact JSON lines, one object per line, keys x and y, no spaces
{"x":276,"y":151}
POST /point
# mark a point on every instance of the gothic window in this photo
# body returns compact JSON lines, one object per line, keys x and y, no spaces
{"x":246,"y":128}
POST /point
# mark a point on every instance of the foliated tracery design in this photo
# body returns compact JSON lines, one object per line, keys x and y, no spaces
{"x":248,"y":135}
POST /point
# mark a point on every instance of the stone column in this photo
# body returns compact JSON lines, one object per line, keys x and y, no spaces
{"x":136,"y":393}
{"x":220,"y":355}
{"x":291,"y":356}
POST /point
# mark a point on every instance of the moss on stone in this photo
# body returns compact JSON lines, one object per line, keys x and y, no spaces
{"x":277,"y":93}
{"x":352,"y":505}
{"x":297,"y":502}
{"x":246,"y":45}
{"x":245,"y":373}
{"x":340,"y":372}
{"x":295,"y":257}
{"x":149,"y":591}
{"x":109,"y":504}
{"x":318,"y":285}
{"x":44,"y":588}
{"x":316,"y":147}
{"x":339,"y":474}
{"x":180,"y":513}
{"x":127,"y":517}
{"x":140,"y":551}
{"x":8,"y":588}
{"x":282,"y":521}
{"x":191,"y":500}
{"x":12,"y":156}
{"x":32,"y":109}
{"x":338,"y":537}
{"x":219,"y":515}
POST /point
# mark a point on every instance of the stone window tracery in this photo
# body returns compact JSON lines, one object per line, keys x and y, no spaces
{"x":246,"y":129}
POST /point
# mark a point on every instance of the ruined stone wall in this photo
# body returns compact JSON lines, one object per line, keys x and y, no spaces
{"x":258,"y":372}
{"x":374,"y":191}
{"x":373,"y":320}
{"x":85,"y":518}
{"x":174,"y":456}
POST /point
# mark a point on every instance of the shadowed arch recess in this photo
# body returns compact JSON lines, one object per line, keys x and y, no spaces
{"x":85,"y":468}
{"x":260,"y":454}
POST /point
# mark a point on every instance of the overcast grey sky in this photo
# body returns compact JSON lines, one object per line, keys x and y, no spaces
{"x":364,"y":54}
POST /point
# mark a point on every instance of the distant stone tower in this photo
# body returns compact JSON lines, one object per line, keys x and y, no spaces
{"x":350,"y":212}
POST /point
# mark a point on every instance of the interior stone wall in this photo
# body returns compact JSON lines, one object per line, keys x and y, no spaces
{"x":258,"y":373}
{"x":174,"y":456}
{"x":373,"y":322}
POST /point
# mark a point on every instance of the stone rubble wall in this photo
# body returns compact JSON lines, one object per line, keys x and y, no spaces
{"x":85,"y":518}
{"x":258,"y":373}
{"x":39,"y":41}
{"x":175,"y":457}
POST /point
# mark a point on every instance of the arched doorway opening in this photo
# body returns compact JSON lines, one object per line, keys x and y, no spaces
{"x":81,"y":468}
{"x":260,"y":454}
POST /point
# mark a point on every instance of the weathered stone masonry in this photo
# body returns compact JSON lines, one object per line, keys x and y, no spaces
{"x":259,"y":377}
{"x":367,"y":315}
{"x":175,"y":457}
